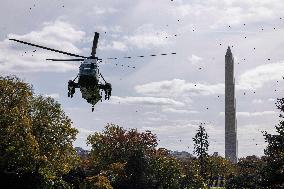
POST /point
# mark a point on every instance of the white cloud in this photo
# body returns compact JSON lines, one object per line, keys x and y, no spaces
{"x":85,"y":131}
{"x":217,"y":13}
{"x":176,"y":129}
{"x":178,"y":87}
{"x":145,"y":40}
{"x":271,"y":100}
{"x":195,"y":60}
{"x":257,"y":101}
{"x":179,"y":111}
{"x":250,"y":138}
{"x":154,"y":119}
{"x":102,"y":11}
{"x":114,"y":45}
{"x":260,"y":75}
{"x":185,"y":129}
{"x":53,"y":95}
{"x":221,"y":113}
{"x":252,"y":114}
{"x":146,"y":36}
{"x":113,"y":29}
{"x":146,"y":101}
{"x":60,"y":35}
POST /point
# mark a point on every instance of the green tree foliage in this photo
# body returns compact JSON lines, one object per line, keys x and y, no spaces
{"x":97,"y":182}
{"x":219,"y":167}
{"x":273,"y":174}
{"x":130,"y":150}
{"x":35,"y":135}
{"x":18,"y":146}
{"x":193,"y":178}
{"x":129,"y":159}
{"x":248,"y":173}
{"x":216,"y":167}
{"x":201,"y":145}
{"x":54,"y":134}
{"x":166,"y":172}
{"x":76,"y":176}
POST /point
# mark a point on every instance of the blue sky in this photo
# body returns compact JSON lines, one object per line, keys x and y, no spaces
{"x":169,"y":95}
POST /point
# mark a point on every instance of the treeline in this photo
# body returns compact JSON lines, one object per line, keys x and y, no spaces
{"x":36,"y":151}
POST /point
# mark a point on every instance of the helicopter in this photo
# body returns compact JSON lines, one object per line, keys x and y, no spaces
{"x":89,"y":79}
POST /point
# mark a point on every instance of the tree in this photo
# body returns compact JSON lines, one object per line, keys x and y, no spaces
{"x":54,"y":134}
{"x":35,"y":136}
{"x":248,"y":173}
{"x":130,"y":149}
{"x":219,"y":167}
{"x":98,"y":182}
{"x":216,"y":167}
{"x":166,"y":172}
{"x":18,"y":146}
{"x":273,"y":173}
{"x":191,"y":170}
{"x":201,"y":145}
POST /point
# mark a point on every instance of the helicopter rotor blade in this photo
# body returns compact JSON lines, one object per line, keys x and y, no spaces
{"x":119,"y":65}
{"x":95,"y":44}
{"x":142,"y":56}
{"x":47,"y":48}
{"x":58,"y":60}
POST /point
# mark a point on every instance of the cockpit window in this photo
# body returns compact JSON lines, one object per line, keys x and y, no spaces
{"x":87,"y":66}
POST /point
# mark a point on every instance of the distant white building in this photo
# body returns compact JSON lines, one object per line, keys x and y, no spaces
{"x":181,"y":155}
{"x":81,"y":152}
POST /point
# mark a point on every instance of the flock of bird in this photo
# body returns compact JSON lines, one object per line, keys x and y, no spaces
{"x":176,"y":35}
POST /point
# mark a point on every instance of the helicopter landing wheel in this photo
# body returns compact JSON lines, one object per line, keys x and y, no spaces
{"x":93,"y":108}
{"x":68,"y":94}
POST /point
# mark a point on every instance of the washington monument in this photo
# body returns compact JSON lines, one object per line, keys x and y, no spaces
{"x":231,"y":142}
